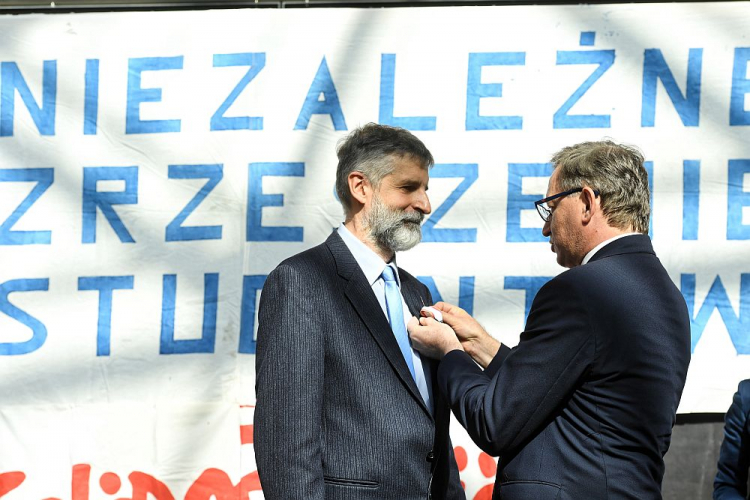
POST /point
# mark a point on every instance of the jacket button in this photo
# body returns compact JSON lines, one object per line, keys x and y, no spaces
{"x":430,"y":456}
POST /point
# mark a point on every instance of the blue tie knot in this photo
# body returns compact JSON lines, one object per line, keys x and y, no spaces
{"x":388,"y":274}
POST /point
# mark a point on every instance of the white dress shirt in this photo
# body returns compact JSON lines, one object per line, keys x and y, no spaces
{"x":372,"y":266}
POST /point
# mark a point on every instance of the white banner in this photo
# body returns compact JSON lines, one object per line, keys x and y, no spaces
{"x":155,"y":167}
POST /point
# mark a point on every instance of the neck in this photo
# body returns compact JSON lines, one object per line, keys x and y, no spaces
{"x":356,"y":226}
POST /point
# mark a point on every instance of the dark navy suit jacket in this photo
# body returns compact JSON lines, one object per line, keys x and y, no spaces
{"x":731,"y":478}
{"x":583,"y":407}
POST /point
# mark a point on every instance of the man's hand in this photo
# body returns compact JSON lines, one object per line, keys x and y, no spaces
{"x":432,"y":338}
{"x":475,"y":340}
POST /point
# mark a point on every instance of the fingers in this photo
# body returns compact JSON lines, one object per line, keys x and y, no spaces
{"x":451,"y":314}
{"x":445,"y":307}
{"x":427,"y":321}
{"x":432,"y":338}
{"x":418,"y":329}
{"x":450,"y":318}
{"x":431,"y":312}
{"x":419,"y":334}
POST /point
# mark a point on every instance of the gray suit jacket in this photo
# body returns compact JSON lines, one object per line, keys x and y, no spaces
{"x":338,"y":414}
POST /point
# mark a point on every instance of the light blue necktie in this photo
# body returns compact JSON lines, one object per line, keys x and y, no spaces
{"x":396,"y":316}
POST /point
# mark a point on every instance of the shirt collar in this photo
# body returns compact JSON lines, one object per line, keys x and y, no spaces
{"x":602,"y":245}
{"x":371,"y":264}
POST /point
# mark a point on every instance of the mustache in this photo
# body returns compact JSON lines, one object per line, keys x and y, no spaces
{"x":415,"y":217}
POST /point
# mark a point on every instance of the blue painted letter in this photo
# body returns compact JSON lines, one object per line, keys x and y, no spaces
{"x":737,"y":324}
{"x":737,"y":199}
{"x":175,"y":230}
{"x":105,"y":199}
{"x":39,"y":331}
{"x":207,"y":342}
{"x":12,"y":80}
{"x":322,"y":85}
{"x":91,"y":101}
{"x":44,"y":177}
{"x":517,"y":201}
{"x":691,"y":178}
{"x":387,"y":85}
{"x":106,"y":286}
{"x":688,"y":107}
{"x":605,"y":59}
{"x":740,"y":87}
{"x":137,"y":95}
{"x":476,"y":90}
{"x":468,"y":172}
{"x":256,"y":62}
{"x":257,"y":199}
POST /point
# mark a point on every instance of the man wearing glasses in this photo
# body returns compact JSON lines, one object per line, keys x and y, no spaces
{"x":583,"y":406}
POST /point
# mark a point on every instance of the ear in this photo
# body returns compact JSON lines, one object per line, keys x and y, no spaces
{"x":590,"y":205}
{"x":359,"y":187}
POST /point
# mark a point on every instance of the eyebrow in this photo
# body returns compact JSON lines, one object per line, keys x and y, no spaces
{"x":410,"y":183}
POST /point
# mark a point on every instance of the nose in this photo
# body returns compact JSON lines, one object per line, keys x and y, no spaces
{"x":422,"y":203}
{"x":546,"y":229}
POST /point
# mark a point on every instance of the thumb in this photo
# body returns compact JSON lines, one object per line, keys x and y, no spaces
{"x":446,"y":307}
{"x":450,"y":317}
{"x":443,"y":306}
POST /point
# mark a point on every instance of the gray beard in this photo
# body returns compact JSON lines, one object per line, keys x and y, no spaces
{"x":394,"y":230}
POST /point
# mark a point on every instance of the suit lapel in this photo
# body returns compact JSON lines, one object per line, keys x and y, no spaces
{"x":362,"y":298}
{"x":411,"y":294}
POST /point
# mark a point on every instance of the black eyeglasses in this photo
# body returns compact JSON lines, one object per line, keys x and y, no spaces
{"x":545,"y":211}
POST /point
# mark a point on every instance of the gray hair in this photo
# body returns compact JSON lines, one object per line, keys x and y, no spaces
{"x":617,"y":172}
{"x":370,"y":150}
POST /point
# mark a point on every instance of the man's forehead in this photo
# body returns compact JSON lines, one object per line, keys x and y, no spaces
{"x":407,"y":167}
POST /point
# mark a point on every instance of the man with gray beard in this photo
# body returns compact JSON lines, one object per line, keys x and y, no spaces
{"x":345,"y":406}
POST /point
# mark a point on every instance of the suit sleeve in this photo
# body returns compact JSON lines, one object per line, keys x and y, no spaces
{"x":289,"y":389}
{"x":504,"y":406}
{"x":731,"y":477}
